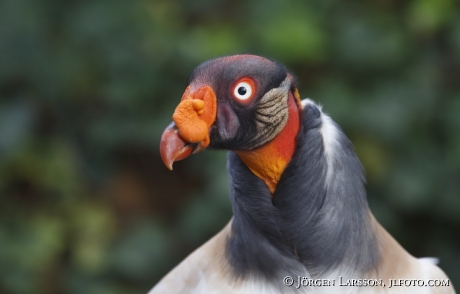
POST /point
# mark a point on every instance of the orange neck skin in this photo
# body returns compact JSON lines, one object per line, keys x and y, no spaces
{"x":269,"y":161}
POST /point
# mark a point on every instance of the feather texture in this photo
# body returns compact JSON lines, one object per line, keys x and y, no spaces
{"x":317,"y":226}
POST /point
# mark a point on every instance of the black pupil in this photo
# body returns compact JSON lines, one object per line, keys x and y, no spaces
{"x":242,"y":91}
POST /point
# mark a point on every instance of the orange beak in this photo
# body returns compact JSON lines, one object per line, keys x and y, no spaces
{"x":189,"y":133}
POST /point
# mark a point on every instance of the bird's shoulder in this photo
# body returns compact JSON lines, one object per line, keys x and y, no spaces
{"x":200,"y":271}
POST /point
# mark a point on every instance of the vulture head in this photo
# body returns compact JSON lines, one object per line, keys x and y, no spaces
{"x":242,"y":103}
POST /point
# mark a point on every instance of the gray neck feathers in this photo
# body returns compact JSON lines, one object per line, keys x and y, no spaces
{"x":318,"y":220}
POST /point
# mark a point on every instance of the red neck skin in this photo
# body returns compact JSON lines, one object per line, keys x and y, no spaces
{"x":269,"y":161}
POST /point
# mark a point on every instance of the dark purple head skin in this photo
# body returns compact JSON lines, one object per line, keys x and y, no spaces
{"x":235,"y":125}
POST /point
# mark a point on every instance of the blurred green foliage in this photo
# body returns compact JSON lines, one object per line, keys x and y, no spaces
{"x":87,"y":87}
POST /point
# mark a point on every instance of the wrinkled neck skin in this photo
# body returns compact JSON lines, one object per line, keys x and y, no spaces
{"x":269,"y":161}
{"x":317,"y":218}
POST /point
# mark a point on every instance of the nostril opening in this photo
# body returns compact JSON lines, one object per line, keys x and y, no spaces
{"x":227,"y":121}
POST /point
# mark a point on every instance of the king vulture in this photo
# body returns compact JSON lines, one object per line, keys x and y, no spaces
{"x":301,"y":220}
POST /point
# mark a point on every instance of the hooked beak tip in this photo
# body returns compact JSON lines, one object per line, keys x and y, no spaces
{"x":173,"y":147}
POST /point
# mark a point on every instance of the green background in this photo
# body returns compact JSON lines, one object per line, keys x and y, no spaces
{"x":87,"y":87}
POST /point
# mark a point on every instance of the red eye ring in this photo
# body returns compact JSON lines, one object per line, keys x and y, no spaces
{"x":244,"y":90}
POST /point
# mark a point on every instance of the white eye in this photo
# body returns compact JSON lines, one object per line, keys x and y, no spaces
{"x":243,"y":91}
